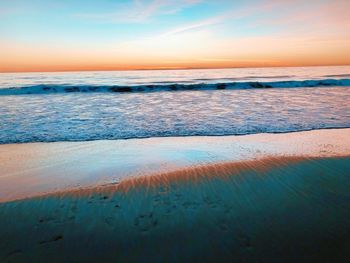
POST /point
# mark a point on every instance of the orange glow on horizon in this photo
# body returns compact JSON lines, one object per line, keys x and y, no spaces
{"x":111,"y":68}
{"x":51,"y":61}
{"x":146,"y":55}
{"x":51,"y":67}
{"x":289,"y":33}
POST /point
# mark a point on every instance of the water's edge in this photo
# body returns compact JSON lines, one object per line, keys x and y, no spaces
{"x":172,"y":136}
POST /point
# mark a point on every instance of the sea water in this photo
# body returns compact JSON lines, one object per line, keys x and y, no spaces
{"x":80,"y":106}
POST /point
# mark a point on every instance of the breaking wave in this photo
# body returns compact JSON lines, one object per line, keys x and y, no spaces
{"x":68,"y":88}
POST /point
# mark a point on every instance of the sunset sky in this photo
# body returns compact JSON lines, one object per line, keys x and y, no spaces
{"x":44,"y":35}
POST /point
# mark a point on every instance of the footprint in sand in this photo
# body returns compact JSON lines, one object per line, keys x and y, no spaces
{"x":145,"y":222}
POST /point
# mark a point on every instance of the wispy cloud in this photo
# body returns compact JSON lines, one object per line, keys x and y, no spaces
{"x":232,"y":14}
{"x":139,"y":11}
{"x":295,"y":15}
{"x":200,"y":24}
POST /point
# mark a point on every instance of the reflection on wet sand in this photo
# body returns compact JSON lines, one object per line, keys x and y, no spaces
{"x":29,"y":170}
{"x":191,"y":175}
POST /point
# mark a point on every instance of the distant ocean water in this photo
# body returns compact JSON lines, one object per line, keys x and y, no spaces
{"x":78,"y":106}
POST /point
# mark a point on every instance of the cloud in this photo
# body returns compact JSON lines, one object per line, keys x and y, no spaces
{"x":203,"y":23}
{"x":233,"y":14}
{"x":287,"y":17}
{"x":139,"y":11}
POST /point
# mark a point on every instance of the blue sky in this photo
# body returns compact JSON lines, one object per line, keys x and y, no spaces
{"x":170,"y":34}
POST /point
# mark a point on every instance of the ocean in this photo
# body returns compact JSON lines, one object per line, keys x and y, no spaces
{"x":83,"y":106}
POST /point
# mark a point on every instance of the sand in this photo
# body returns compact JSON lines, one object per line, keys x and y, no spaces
{"x":33,"y":169}
{"x":258,"y":198}
{"x":273,"y":210}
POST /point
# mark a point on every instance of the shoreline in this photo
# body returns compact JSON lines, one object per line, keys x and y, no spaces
{"x":253,"y":198}
{"x":175,"y":137}
{"x":34,"y":169}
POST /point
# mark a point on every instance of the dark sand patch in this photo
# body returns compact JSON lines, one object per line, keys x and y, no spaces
{"x":272,"y":210}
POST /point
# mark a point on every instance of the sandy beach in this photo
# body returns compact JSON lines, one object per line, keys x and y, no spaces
{"x":33,"y":169}
{"x":253,"y":198}
{"x":171,"y":131}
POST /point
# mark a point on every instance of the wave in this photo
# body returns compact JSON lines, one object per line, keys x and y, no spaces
{"x":69,"y":88}
{"x":337,"y":75}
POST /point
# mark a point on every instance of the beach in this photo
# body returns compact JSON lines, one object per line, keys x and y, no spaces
{"x":31,"y":169}
{"x":180,"y":131}
{"x":229,"y":165}
{"x":252,"y":198}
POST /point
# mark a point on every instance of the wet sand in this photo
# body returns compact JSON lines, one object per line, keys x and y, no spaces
{"x":33,"y":169}
{"x":259,"y":198}
{"x":270,"y":210}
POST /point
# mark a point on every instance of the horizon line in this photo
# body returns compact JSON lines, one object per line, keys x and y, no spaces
{"x":169,"y":68}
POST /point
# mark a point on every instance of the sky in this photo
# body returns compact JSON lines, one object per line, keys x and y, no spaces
{"x":66,"y":35}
